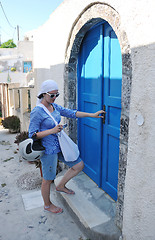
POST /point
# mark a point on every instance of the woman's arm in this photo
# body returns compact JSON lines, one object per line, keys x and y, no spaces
{"x":34,"y":126}
{"x":93,"y":115}
{"x":45,"y":133}
{"x":59,"y":127}
{"x":74,"y":113}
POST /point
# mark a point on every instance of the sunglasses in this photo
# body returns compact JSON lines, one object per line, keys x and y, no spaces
{"x":52,"y":95}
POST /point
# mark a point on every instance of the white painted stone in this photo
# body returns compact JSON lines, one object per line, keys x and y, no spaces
{"x":32,"y":200}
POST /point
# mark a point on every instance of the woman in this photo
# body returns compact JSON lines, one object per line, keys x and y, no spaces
{"x":43,"y":127}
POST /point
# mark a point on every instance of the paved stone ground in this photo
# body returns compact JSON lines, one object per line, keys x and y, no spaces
{"x":16,"y":179}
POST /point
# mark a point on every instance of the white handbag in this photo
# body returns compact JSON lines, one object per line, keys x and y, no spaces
{"x":69,"y":149}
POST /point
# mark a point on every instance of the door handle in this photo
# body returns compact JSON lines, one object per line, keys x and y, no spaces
{"x":104,"y":109}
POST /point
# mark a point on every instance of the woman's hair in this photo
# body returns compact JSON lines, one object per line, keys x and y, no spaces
{"x":40,"y":96}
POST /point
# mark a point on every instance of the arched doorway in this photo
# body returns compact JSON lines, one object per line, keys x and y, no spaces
{"x":99,"y":87}
{"x":92,"y":15}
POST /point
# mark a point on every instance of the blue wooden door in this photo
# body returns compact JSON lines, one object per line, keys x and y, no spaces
{"x":89,"y":100}
{"x":99,"y":84}
{"x":112,"y":101}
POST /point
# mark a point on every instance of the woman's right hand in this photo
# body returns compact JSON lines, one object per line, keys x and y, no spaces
{"x":57,"y":129}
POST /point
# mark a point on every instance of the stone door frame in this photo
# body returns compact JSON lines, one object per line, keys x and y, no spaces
{"x":90,"y":16}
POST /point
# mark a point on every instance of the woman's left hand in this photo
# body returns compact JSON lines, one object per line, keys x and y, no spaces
{"x":97,"y":114}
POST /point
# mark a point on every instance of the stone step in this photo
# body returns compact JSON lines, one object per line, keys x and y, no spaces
{"x":91,"y":208}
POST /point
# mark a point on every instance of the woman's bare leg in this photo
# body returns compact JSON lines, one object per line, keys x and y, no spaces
{"x":45,"y":190}
{"x":72,"y":172}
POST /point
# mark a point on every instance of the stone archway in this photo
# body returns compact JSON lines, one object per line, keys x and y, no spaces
{"x":90,"y":16}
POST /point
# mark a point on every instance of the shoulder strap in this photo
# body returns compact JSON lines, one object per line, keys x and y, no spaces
{"x":48,"y":112}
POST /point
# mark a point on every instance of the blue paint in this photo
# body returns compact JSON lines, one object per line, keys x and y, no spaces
{"x":27,"y":67}
{"x":99,"y":83}
{"x":112,"y":100}
{"x":89,"y":99}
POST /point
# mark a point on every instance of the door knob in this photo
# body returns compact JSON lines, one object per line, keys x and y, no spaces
{"x":104,"y":109}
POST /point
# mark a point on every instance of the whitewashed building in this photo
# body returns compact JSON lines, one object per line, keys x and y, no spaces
{"x":17,"y":81}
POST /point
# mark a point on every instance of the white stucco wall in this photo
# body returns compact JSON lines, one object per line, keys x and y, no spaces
{"x":25,"y":49}
{"x":14,"y":57}
{"x":137,"y":18}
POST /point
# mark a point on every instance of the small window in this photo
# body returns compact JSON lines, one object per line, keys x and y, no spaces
{"x":27,"y":67}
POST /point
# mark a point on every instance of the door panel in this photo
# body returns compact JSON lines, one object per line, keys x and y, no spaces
{"x":112,"y":102}
{"x":99,"y":83}
{"x":89,"y":100}
{"x":112,"y":169}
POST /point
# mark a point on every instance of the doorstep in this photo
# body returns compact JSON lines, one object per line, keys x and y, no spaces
{"x":93,"y":210}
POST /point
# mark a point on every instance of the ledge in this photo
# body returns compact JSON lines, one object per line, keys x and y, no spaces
{"x":92,"y":209}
